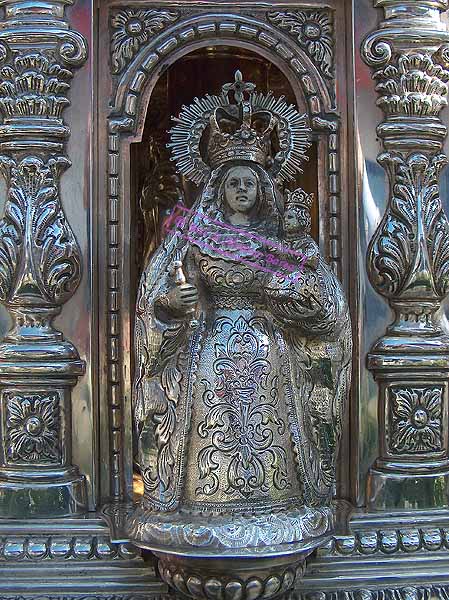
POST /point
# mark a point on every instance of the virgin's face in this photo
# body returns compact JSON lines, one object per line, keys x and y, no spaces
{"x":241,"y":189}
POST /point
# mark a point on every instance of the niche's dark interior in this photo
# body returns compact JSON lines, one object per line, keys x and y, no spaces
{"x":155,"y":186}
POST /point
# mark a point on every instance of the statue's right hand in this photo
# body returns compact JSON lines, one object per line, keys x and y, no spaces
{"x":183,"y":298}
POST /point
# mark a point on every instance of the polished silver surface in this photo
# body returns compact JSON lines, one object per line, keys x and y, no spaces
{"x":407,"y":259}
{"x":243,"y":359}
{"x":40,"y":264}
{"x":316,"y":46}
{"x":315,"y":92}
{"x":131,"y":92}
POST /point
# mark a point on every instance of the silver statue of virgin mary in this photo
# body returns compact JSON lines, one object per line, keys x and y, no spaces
{"x":243,"y":360}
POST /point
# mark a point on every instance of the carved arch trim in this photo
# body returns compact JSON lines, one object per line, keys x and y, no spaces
{"x":133,"y":89}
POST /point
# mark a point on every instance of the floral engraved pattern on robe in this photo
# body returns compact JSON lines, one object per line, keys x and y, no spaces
{"x":242,"y":411}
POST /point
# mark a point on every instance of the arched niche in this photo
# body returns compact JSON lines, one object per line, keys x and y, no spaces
{"x":131,"y":107}
{"x":155,"y":186}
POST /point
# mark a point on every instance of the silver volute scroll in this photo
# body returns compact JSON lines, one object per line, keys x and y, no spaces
{"x":243,"y":358}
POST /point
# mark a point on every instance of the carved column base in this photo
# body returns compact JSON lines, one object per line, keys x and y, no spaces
{"x":37,"y":372}
{"x":412,"y":471}
{"x":416,"y":332}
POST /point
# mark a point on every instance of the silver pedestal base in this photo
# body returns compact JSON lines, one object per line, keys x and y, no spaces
{"x":400,"y":556}
{"x":233,"y":579}
{"x":233,"y":556}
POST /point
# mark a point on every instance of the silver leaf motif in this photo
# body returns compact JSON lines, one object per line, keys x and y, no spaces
{"x":413,"y":84}
{"x":313,"y":30}
{"x":32,"y":428}
{"x":133,"y":28}
{"x":34,"y":84}
{"x":40,"y":262}
{"x":414,"y":235}
{"x":416,"y":419}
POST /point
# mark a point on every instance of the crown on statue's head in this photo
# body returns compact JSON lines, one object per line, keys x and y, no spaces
{"x":245,"y":142}
{"x":298,"y":199}
{"x":238,"y":132}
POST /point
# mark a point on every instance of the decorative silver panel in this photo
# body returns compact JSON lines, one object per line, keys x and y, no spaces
{"x":408,"y":257}
{"x":386,"y":555}
{"x":40,"y":263}
{"x":176,"y":33}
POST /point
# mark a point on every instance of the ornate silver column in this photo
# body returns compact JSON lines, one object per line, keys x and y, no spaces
{"x":40,"y":265}
{"x":408,"y":257}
